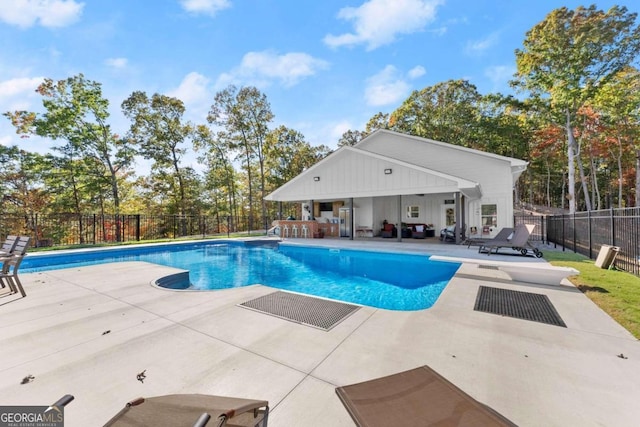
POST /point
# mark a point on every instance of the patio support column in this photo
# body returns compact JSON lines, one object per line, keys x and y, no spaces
{"x":399,"y":230}
{"x":352,"y":219}
{"x":459,"y":224}
{"x":463,"y":217}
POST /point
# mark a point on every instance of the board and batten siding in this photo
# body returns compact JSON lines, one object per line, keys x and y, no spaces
{"x":352,"y":173}
{"x":491,"y":171}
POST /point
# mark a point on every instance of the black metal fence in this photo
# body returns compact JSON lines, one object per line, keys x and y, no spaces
{"x":583,"y":232}
{"x":586,"y":232}
{"x":540,"y":231}
{"x":93,"y":229}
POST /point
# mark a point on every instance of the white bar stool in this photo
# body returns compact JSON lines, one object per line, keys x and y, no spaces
{"x":294,"y":228}
{"x":305,"y":231}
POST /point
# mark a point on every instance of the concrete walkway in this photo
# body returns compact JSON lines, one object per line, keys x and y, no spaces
{"x":89,"y":331}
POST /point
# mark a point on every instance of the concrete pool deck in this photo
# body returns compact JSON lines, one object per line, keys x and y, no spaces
{"x":89,"y":331}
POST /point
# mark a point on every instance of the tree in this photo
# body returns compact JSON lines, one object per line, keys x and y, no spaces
{"x":351,"y":138}
{"x":288,"y":154}
{"x":220,"y":173}
{"x":158,"y":129}
{"x":447,"y":112}
{"x":245,"y":115}
{"x":77,"y":113}
{"x":567,"y":58}
{"x":619,"y":102}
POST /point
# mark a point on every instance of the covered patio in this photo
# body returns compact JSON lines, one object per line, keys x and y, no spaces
{"x":406,"y":181}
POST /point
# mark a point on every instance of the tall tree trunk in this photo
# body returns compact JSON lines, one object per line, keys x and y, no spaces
{"x":548,"y":189}
{"x":573,"y":156}
{"x":595,"y":188}
{"x":571,"y":166}
{"x":637,"y":203}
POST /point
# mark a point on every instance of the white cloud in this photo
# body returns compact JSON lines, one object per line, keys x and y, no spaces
{"x":194,"y":91}
{"x":478,"y":47}
{"x":19,"y":94}
{"x":208,"y":7}
{"x":500,"y":75}
{"x":378,"y":22}
{"x":48,"y":13}
{"x":22,"y":86}
{"x":386,"y":87}
{"x":417,"y":71}
{"x":116,"y":62}
{"x":261,"y":68}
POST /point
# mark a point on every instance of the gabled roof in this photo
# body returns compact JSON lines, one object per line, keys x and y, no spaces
{"x":420,"y":151}
{"x":417,"y":166}
{"x":351,"y":172}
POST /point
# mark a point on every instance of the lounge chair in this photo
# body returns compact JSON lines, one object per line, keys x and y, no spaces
{"x":504,"y":234}
{"x":519,"y":242}
{"x":419,"y":397}
{"x":11,"y":264}
{"x":448,"y":233}
{"x":192,"y":410}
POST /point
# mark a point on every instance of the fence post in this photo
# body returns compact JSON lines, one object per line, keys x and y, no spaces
{"x":613,"y":228}
{"x":574,"y":234}
{"x":589,"y":235}
{"x":137,"y":227}
{"x":94,"y":229}
{"x":564,"y":243}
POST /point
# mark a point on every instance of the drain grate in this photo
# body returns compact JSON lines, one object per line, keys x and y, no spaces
{"x":315,"y":312}
{"x":521,"y":305}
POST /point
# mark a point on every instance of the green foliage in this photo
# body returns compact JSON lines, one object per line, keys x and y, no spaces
{"x":158,"y":129}
{"x":567,"y":59}
{"x":77,"y":114}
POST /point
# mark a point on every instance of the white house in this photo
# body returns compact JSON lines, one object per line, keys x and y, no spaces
{"x":406,"y":179}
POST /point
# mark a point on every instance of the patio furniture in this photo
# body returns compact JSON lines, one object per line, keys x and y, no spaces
{"x":448,"y":233}
{"x":8,"y":245}
{"x":11,"y":265}
{"x":192,"y":410}
{"x":389,"y":230}
{"x":519,"y":242}
{"x":420,"y":231}
{"x":504,"y":234}
{"x":418,"y":397}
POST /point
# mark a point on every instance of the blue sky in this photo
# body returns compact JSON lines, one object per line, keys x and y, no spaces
{"x":326,"y":66}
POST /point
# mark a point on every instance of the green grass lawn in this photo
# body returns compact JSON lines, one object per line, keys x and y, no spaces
{"x":616,"y":292}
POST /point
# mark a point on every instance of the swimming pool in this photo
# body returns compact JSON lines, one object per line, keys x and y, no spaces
{"x":394,"y":281}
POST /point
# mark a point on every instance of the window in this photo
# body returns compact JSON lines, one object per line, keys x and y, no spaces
{"x":489,"y":215}
{"x":326,"y":206}
{"x":413,"y":211}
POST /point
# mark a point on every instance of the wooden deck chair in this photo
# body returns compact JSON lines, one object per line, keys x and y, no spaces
{"x":192,"y":410}
{"x":418,"y":397}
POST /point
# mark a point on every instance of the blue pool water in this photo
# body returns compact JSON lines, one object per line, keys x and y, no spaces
{"x":378,"y":279}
